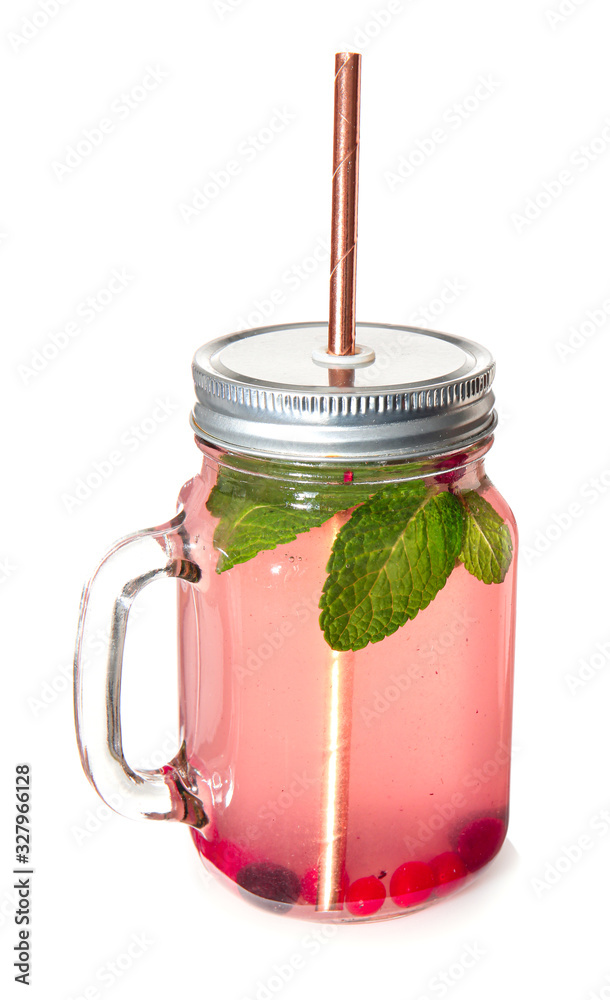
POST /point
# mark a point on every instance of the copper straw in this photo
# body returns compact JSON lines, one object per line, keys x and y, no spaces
{"x":344,"y":229}
{"x":331,"y":866}
{"x":341,"y":340}
{"x":341,"y":378}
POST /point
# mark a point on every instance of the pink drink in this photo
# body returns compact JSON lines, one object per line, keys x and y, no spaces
{"x":429,"y":755}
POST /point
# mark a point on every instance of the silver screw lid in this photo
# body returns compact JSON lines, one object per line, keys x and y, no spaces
{"x":270,"y":392}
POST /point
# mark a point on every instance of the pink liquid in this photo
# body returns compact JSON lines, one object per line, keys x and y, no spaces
{"x":429,"y":754}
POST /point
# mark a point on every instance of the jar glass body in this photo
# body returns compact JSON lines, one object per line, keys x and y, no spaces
{"x":424,"y":717}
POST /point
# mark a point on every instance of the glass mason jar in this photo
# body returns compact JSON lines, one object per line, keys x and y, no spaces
{"x":346,"y":579}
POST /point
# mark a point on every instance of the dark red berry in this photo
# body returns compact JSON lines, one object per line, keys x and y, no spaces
{"x":268,"y":885}
{"x":448,"y":870}
{"x":411,"y":883}
{"x":365,"y":896}
{"x":455,"y":463}
{"x":478,"y":842}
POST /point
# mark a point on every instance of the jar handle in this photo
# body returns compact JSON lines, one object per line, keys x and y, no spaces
{"x":141,"y":558}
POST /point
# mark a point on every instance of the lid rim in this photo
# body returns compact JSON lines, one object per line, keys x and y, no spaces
{"x":208,"y":351}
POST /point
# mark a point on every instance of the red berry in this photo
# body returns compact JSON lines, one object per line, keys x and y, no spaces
{"x":365,"y":896}
{"x":411,"y":883}
{"x":454,"y":462}
{"x":309,"y":885}
{"x":448,"y":869}
{"x":228,"y":857}
{"x":231,"y":858}
{"x":478,"y":842}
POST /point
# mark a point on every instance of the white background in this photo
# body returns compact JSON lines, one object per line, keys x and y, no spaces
{"x":527,"y":286}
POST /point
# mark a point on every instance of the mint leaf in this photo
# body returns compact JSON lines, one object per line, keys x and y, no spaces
{"x":487,"y":549}
{"x":257,"y":513}
{"x":388,"y":562}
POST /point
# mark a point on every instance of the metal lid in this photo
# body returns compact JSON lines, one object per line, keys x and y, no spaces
{"x":269,"y":392}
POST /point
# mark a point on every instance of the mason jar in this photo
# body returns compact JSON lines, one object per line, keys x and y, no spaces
{"x":346,"y":580}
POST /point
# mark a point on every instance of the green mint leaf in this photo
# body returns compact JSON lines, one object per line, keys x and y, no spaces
{"x":487,"y":549}
{"x":256,"y":513}
{"x":388,"y":562}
